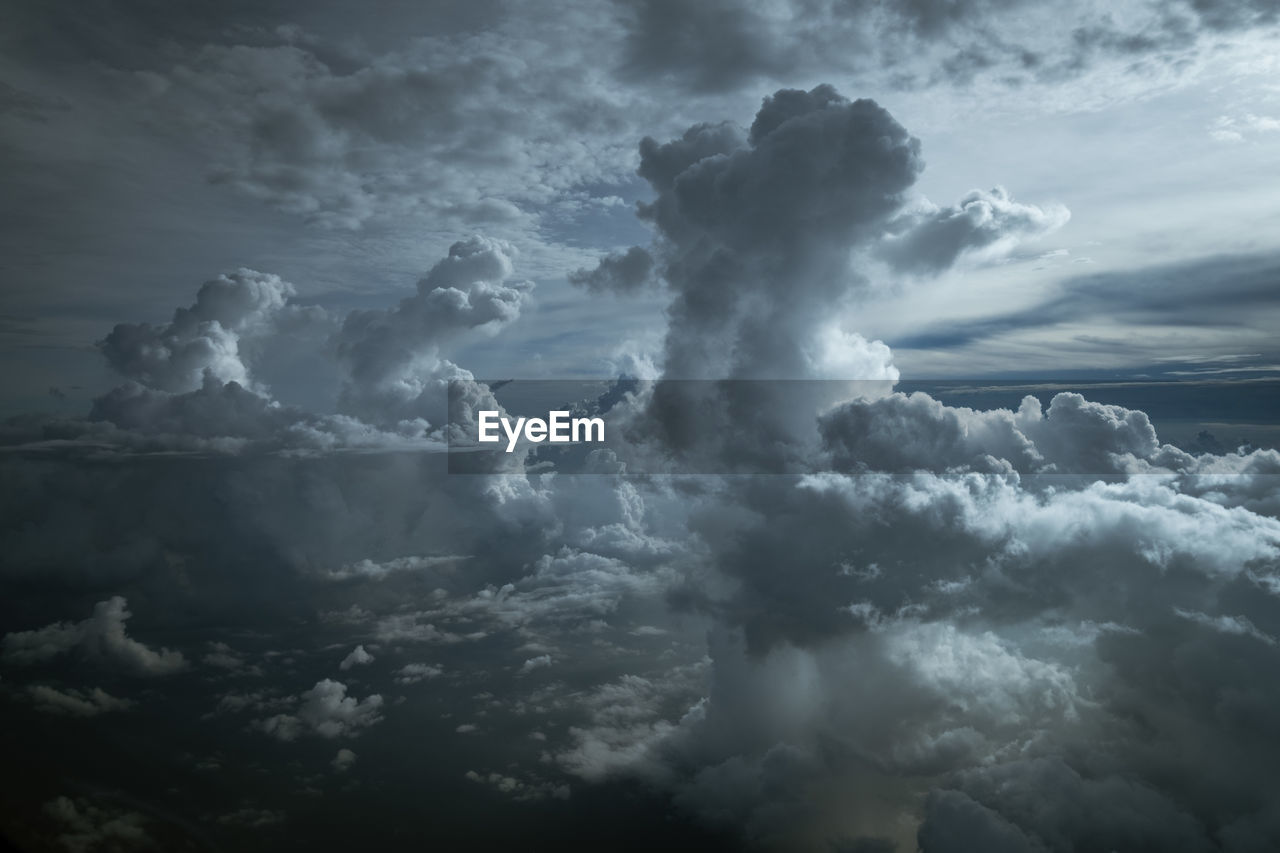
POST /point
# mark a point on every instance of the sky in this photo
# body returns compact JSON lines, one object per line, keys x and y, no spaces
{"x":1000,"y":573}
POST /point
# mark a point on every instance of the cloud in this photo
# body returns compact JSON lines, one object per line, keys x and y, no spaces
{"x":393,"y":357}
{"x":1174,"y":294}
{"x":1107,"y":812}
{"x":84,"y":826}
{"x":1038,"y":628}
{"x":623,"y":273}
{"x":1229,"y":129}
{"x":1226,"y":15}
{"x":370,"y":570}
{"x":412,"y":673}
{"x":518,"y":789}
{"x":764,"y":240}
{"x":563,"y":593}
{"x":968,"y":597}
{"x":439,"y":128}
{"x":76,"y":703}
{"x":626,"y":725}
{"x":325,"y":711}
{"x":358,"y":657}
{"x":223,"y":656}
{"x":981,"y":619}
{"x":196,"y":384}
{"x":258,"y":700}
{"x":983,"y":223}
{"x":100,"y":638}
{"x":756,"y":233}
{"x":727,"y":45}
{"x":344,"y":760}
{"x":903,"y":433}
{"x":204,"y":339}
{"x":539,"y":662}
{"x":760,"y":233}
{"x":712,"y":46}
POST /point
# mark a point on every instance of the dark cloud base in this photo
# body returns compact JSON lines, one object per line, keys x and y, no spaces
{"x":417,"y":798}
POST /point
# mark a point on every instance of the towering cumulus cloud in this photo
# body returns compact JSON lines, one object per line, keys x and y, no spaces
{"x":394,"y":360}
{"x":1039,"y":629}
{"x":757,"y":230}
{"x":759,"y":234}
{"x":223,"y":373}
{"x":203,"y":340}
{"x":764,"y":241}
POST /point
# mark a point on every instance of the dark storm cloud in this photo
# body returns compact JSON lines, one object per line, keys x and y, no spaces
{"x":758,"y":232}
{"x":926,"y":617}
{"x":909,"y":436}
{"x":622,"y":273}
{"x":762,"y":226}
{"x":729,"y":44}
{"x":961,"y":601}
{"x":735,"y":43}
{"x":425,"y":114}
{"x":943,"y":577}
{"x":441,"y":127}
{"x":137,"y":33}
{"x":707,"y":46}
{"x":762,"y":239}
{"x":1221,"y":291}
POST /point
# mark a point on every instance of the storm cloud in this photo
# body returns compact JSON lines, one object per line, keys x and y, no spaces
{"x":252,"y":608}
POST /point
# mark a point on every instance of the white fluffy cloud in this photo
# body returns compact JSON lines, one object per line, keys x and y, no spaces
{"x":533,"y":663}
{"x":100,"y":638}
{"x":357,"y":657}
{"x":984,"y":224}
{"x":326,"y":711}
{"x":204,"y":339}
{"x":899,"y":432}
{"x":204,"y":381}
{"x":394,"y":361}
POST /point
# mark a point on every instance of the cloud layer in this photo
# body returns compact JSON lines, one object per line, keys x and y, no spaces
{"x":1030,"y":628}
